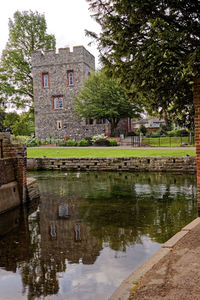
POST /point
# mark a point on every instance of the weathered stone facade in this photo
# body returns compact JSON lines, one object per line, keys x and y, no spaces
{"x":14,"y":187}
{"x":133,"y":164}
{"x":51,"y":80}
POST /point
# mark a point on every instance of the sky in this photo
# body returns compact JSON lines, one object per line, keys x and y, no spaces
{"x":66,"y":19}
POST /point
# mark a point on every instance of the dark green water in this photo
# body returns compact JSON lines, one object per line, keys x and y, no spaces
{"x":89,"y":231}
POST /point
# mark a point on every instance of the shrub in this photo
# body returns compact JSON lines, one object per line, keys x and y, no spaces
{"x":131,"y":133}
{"x":172,"y":133}
{"x":182,"y":132}
{"x":158,"y":133}
{"x":102,"y":142}
{"x":137,"y":132}
{"x":32,"y":142}
{"x":148,"y":134}
{"x":142,"y":129}
{"x":99,"y":137}
{"x":112,"y":143}
{"x":89,"y":139}
{"x":56,"y":141}
{"x":62,"y":144}
{"x":178,"y":132}
{"x":71,"y":143}
{"x":83,"y":142}
{"x":51,"y":141}
{"x":19,"y":139}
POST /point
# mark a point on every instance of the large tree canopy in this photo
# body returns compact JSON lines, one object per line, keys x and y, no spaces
{"x":102,"y":97}
{"x":27,"y":33}
{"x":153,"y":45}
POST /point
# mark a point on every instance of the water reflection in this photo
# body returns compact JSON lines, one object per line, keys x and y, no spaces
{"x":90,"y":231}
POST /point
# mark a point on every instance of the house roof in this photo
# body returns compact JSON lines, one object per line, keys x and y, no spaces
{"x":144,"y":121}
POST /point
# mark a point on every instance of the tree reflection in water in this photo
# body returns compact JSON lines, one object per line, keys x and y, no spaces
{"x":78,"y":215}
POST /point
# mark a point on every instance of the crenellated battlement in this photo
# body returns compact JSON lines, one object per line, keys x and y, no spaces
{"x":64,"y":56}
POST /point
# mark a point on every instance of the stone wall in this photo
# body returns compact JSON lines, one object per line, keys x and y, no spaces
{"x":197,"y":133}
{"x":149,"y":164}
{"x":54,"y":122}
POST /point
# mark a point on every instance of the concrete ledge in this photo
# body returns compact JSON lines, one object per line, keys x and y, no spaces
{"x":171,"y":242}
{"x":123,"y":291}
{"x":191,"y":225}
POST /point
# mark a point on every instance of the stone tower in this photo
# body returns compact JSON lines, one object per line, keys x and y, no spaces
{"x":57,"y":77}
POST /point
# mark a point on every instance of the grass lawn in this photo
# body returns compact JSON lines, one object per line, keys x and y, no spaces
{"x":104,"y":152}
{"x":174,"y":141}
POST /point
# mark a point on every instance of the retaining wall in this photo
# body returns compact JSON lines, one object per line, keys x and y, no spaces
{"x":7,"y":172}
{"x":9,"y":196}
{"x":13,"y":183}
{"x":13,"y":163}
{"x":150,"y":164}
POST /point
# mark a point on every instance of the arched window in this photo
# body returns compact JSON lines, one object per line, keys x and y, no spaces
{"x":58,"y":102}
{"x":45,"y":80}
{"x":70,"y":78}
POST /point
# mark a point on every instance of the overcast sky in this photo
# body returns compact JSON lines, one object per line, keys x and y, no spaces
{"x":66,"y":19}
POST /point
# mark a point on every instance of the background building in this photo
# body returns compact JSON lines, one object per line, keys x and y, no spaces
{"x":57,"y":77}
{"x":151,"y":125}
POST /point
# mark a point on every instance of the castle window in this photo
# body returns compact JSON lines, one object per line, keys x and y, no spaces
{"x":45,"y":80}
{"x":70,"y":78}
{"x":52,"y":231}
{"x":101,"y":121}
{"x":59,"y":125}
{"x":58,"y":102}
{"x":89,"y":121}
{"x":63,"y":210}
{"x":77,"y":231}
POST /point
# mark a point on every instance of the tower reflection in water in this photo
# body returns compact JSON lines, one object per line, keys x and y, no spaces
{"x":78,"y":216}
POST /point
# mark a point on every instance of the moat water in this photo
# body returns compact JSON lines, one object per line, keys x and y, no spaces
{"x":89,"y":231}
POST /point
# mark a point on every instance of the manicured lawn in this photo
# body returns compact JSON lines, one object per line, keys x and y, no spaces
{"x":104,"y":152}
{"x":174,"y":141}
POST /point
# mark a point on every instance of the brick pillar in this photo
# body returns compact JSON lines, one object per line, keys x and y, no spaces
{"x":197,"y":135}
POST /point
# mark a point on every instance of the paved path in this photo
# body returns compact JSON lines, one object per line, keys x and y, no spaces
{"x":173,"y":273}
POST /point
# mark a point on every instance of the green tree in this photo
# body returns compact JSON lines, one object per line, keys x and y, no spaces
{"x":155,"y":47}
{"x":10,"y":119}
{"x":142,"y":129}
{"x":2,"y":117}
{"x":103,"y":98}
{"x":22,"y":124}
{"x":27,"y":33}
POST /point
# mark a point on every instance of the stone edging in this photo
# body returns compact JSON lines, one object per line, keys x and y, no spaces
{"x":150,"y":164}
{"x":123,"y":291}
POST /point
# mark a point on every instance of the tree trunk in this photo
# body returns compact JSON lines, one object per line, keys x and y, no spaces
{"x":113,"y":124}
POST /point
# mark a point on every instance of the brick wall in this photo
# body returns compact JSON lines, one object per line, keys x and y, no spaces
{"x":197,"y":133}
{"x":7,"y":172}
{"x":150,"y":164}
{"x":13,"y":164}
